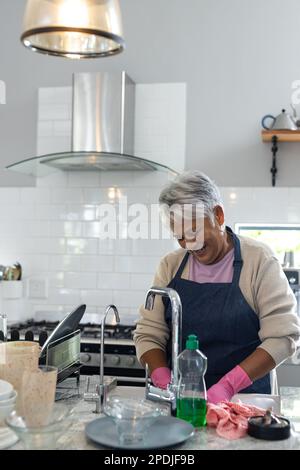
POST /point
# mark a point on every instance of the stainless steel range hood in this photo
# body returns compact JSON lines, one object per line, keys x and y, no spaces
{"x":102,"y":129}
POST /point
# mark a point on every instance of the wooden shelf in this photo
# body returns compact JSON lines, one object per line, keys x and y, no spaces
{"x":282,"y":136}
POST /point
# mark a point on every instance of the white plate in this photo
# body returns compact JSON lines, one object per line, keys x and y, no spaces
{"x":165,"y":432}
{"x":261,"y":400}
{"x":5,"y":390}
{"x":7,"y":438}
{"x":10,"y":400}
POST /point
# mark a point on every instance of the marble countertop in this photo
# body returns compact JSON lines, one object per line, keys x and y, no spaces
{"x":203,"y":439}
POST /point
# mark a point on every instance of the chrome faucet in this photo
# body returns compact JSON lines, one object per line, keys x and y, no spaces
{"x":156,"y":393}
{"x":99,"y":396}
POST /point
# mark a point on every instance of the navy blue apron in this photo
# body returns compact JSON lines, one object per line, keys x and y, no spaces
{"x":226,"y":326}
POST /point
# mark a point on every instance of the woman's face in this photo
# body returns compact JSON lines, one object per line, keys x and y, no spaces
{"x":209,"y":243}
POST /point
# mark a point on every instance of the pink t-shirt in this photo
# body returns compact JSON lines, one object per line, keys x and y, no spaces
{"x":216,"y":273}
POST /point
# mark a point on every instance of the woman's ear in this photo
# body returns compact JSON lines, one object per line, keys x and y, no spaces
{"x":219,"y":215}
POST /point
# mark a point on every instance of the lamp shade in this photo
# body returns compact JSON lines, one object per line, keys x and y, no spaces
{"x":73,"y":28}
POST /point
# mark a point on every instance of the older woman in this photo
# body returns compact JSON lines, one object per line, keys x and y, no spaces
{"x":235,"y":298}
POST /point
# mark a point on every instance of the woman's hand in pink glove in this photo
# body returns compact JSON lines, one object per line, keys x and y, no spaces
{"x":161,"y":377}
{"x":229,"y":385}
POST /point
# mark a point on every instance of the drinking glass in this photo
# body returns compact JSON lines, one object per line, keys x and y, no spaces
{"x":290,"y":405}
{"x":3,"y":327}
{"x":132,"y":417}
{"x":43,"y":437}
{"x":38,"y":395}
{"x":15,"y":358}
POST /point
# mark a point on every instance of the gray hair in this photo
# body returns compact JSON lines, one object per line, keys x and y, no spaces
{"x":192,"y":187}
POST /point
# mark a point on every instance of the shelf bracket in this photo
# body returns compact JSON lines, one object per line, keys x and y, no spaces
{"x":274,"y":151}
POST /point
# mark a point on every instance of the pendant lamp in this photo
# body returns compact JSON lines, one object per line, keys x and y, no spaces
{"x":75,"y":29}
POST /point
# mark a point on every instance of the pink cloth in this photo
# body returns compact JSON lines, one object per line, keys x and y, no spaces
{"x":231,"y":419}
{"x":161,"y":377}
{"x":216,"y":273}
{"x":229,"y":385}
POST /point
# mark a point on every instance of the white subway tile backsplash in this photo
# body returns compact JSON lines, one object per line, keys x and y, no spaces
{"x":45,"y":128}
{"x":107,"y":247}
{"x":35,"y":228}
{"x":84,"y":179}
{"x":101,"y":298}
{"x":160,"y":123}
{"x":141,"y":281}
{"x":113,"y":281}
{"x":75,"y":212}
{"x":80,"y":280}
{"x":149,"y":179}
{"x":123,"y":264}
{"x":68,"y":195}
{"x":294,"y":195}
{"x":81,"y":246}
{"x":152,"y":247}
{"x":54,"y":313}
{"x":55,"y":95}
{"x":9,"y":196}
{"x":91,"y":309}
{"x":17,"y":212}
{"x":66,"y":229}
{"x":99,"y":196}
{"x":293,"y":214}
{"x":48,"y":211}
{"x":123,"y":247}
{"x":64,"y":263}
{"x":57,"y":144}
{"x":62,"y":296}
{"x":55,"y":112}
{"x":110,"y":179}
{"x":97,"y":264}
{"x":54,"y":180}
{"x":42,"y":245}
{"x":56,"y":280}
{"x":137,"y":195}
{"x":136,"y":264}
{"x":92,"y":229}
{"x":128,"y":298}
{"x":145,"y":264}
{"x":35,"y":195}
{"x":62,"y":129}
{"x":33,"y":264}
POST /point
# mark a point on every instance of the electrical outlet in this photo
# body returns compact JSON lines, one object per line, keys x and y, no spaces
{"x":37,"y":288}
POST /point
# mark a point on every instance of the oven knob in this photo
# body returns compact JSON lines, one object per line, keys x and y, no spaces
{"x":85,"y":358}
{"x":115,"y":360}
{"x":292,"y":280}
{"x":130,"y":361}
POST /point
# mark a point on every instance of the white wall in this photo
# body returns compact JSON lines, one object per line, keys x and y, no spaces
{"x":238,"y":58}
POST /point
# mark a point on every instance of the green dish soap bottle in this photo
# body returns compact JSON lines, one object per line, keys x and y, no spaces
{"x":191,"y":399}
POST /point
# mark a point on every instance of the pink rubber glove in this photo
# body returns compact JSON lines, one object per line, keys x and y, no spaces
{"x":229,"y":385}
{"x":161,"y":377}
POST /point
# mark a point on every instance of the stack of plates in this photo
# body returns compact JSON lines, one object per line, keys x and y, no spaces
{"x":8,"y":397}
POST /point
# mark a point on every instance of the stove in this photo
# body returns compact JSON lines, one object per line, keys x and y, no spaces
{"x":119,"y":355}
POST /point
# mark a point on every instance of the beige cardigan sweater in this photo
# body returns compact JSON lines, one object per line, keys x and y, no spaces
{"x":264,"y":286}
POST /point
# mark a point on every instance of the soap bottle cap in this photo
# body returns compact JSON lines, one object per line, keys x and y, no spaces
{"x":192,"y":343}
